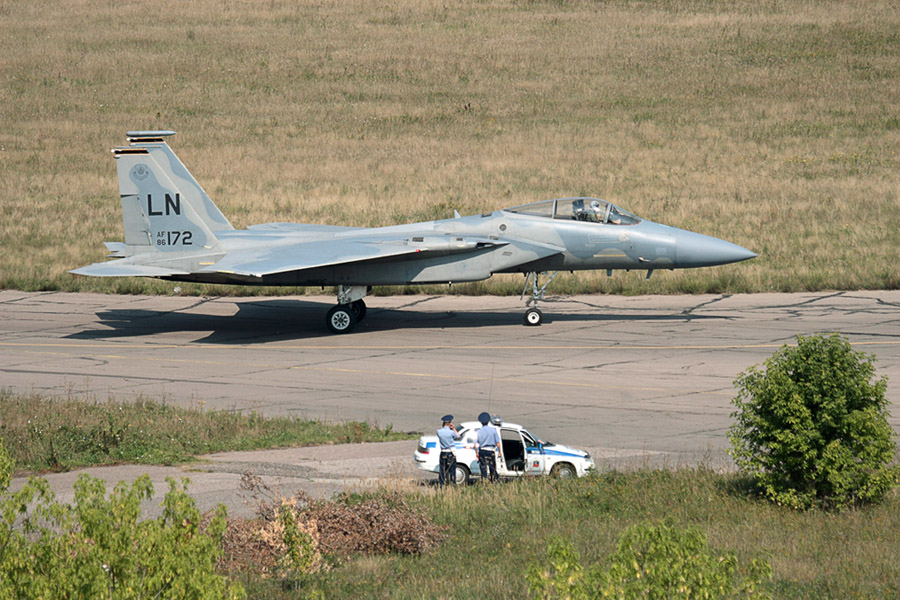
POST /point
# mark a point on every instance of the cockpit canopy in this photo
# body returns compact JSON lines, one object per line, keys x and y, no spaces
{"x":591,"y":210}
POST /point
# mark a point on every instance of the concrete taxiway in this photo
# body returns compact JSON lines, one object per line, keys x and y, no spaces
{"x":624,"y":376}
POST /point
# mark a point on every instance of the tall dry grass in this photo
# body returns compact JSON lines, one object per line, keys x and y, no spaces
{"x":774,"y":125}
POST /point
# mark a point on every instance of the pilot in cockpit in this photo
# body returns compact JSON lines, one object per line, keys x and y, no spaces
{"x":597,"y":212}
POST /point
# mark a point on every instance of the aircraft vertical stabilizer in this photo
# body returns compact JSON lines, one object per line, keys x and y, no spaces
{"x":155,"y":211}
{"x":191,"y":191}
{"x":168,"y":218}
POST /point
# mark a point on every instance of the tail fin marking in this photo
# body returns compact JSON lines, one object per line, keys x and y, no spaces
{"x":155,"y":212}
{"x":192,"y":192}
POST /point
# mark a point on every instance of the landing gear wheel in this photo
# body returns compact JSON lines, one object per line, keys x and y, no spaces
{"x":341,"y":319}
{"x":359,"y":309}
{"x":533,"y":317}
{"x":461,"y":477}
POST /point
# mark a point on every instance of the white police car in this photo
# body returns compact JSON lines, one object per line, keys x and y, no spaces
{"x":523,"y":454}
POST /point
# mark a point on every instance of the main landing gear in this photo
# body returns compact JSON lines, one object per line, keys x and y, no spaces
{"x":351,"y":309}
{"x":534,"y":316}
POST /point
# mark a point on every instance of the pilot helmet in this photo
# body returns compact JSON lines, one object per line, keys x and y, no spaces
{"x":495,"y":420}
{"x":484,"y":418}
{"x":595,"y":205}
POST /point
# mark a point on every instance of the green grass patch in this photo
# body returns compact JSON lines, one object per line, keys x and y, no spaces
{"x":497,"y":531}
{"x":53,"y":434}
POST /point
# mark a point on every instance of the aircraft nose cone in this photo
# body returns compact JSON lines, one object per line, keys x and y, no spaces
{"x":698,"y":250}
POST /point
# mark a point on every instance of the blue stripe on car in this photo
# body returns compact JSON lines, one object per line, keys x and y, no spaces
{"x":547,"y":452}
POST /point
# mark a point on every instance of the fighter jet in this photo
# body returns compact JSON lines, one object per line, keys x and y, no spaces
{"x":173,"y":231}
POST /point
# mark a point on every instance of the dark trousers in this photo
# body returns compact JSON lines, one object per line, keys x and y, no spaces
{"x":487,"y":462}
{"x":448,"y":468}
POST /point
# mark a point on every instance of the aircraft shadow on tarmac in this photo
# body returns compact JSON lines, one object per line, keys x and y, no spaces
{"x":263,"y":321}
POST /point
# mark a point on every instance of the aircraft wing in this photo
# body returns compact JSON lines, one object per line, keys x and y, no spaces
{"x":302,"y":228}
{"x":298,"y":256}
{"x":146,"y":264}
{"x":120,"y":268}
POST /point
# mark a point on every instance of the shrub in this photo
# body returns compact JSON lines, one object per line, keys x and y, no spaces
{"x":653,"y":562}
{"x":6,"y":467}
{"x":101,"y":548}
{"x":294,"y":541}
{"x":812,"y":428}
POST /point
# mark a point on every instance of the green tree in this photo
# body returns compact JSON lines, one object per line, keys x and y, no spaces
{"x":101,"y":547}
{"x":655,"y":562}
{"x":812,"y":427}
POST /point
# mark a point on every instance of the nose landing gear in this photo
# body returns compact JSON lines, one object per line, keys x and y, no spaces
{"x":534,"y":316}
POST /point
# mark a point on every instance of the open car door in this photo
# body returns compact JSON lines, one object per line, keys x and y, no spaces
{"x":513,"y":453}
{"x":535,"y":461}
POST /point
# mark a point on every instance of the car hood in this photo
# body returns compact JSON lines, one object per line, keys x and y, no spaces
{"x":561,"y":450}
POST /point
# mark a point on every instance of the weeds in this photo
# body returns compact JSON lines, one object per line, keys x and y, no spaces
{"x":295,"y":538}
{"x":495,"y":531}
{"x":377,"y":523}
{"x":50,"y":434}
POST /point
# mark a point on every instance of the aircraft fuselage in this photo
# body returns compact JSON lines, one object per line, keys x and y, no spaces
{"x":585,"y":246}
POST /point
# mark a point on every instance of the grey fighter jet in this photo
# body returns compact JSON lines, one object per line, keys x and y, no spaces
{"x":174,"y":231}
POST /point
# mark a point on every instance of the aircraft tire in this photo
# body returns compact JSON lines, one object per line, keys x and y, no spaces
{"x":341,"y":319}
{"x":533,"y":317}
{"x":359,"y":309}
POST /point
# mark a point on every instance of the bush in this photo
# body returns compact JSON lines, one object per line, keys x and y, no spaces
{"x":101,"y":548}
{"x":294,"y":541}
{"x":653,"y":562}
{"x":6,"y":467}
{"x":812,"y":429}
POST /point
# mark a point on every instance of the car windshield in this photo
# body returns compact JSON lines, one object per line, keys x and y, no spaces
{"x":589,"y":210}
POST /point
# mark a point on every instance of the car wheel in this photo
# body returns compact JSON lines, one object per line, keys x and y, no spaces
{"x":462,"y":474}
{"x":563,"y":471}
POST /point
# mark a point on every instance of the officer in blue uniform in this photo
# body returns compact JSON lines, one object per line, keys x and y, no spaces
{"x":488,"y":446}
{"x":447,"y":435}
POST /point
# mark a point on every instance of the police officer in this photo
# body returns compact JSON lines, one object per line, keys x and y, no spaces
{"x":447,"y":435}
{"x":488,"y":446}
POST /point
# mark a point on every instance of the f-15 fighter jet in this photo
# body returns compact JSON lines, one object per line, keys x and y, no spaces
{"x":174,"y":231}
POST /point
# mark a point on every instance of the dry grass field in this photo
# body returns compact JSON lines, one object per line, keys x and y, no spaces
{"x":775,"y":125}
